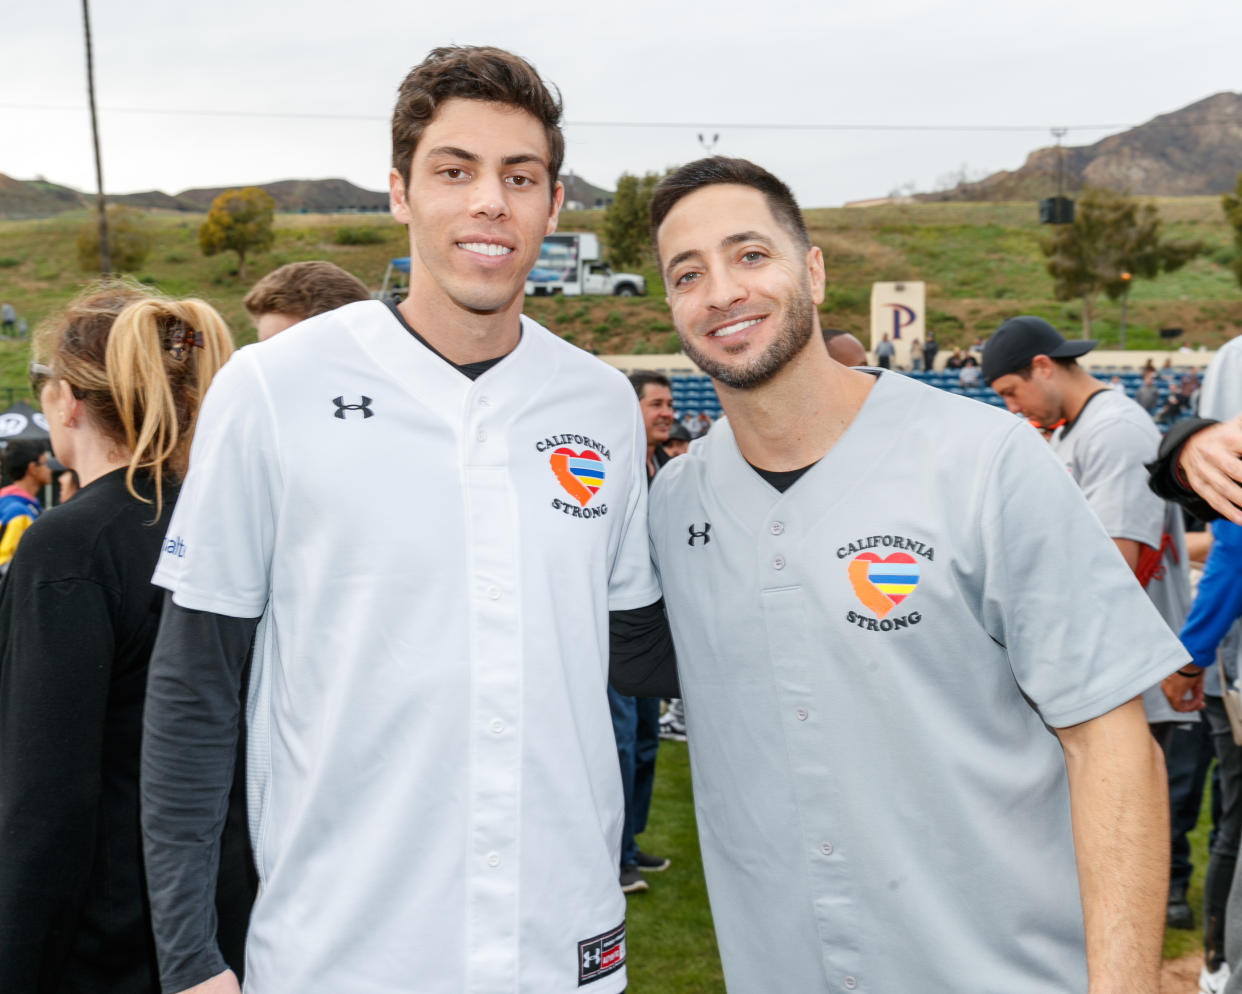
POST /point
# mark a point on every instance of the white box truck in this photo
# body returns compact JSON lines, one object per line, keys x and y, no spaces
{"x":569,"y":263}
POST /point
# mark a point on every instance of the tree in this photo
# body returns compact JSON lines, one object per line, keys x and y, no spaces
{"x":1232,"y":204}
{"x":625,"y":220}
{"x":239,"y":221}
{"x":129,"y":241}
{"x":1113,"y":240}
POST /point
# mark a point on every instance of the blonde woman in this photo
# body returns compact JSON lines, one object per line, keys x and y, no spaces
{"x":120,"y":375}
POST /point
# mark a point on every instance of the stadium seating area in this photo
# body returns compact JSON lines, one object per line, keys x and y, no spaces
{"x":694,"y":393}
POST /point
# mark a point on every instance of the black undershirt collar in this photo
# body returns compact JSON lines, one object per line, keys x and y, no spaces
{"x":782,"y":480}
{"x":470,"y":370}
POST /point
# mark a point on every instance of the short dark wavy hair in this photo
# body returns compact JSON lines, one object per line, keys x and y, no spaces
{"x":473,"y":73}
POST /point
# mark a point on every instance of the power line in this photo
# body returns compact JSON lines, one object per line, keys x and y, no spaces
{"x":682,"y":125}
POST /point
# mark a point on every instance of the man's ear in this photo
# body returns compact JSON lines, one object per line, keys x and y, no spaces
{"x":558,"y":199}
{"x":396,"y":197}
{"x":816,"y":273}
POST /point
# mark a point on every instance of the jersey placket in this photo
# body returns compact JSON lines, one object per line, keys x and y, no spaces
{"x":492,"y":545}
{"x":784,"y":555}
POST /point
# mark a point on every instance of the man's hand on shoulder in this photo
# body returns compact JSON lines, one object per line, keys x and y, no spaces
{"x":1211,"y":463}
{"x":221,"y":983}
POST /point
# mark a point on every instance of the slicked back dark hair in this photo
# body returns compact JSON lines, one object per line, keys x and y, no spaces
{"x":718,"y":169}
{"x":473,"y":72}
{"x":640,"y":378}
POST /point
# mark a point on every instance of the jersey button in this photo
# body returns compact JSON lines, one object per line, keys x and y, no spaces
{"x":485,"y":401}
{"x":801,"y":714}
{"x":497,"y":726}
{"x":776,"y":528}
{"x":493,"y":859}
{"x":493,"y":593}
{"x":778,"y":562}
{"x":826,"y":848}
{"x":481,"y":435}
{"x":850,"y":983}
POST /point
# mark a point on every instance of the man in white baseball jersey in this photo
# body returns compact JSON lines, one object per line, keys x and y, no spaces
{"x":918,"y":760}
{"x":434,"y":794}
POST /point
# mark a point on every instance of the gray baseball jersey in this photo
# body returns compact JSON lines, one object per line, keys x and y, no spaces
{"x":871,"y":662}
{"x":1105,"y":449}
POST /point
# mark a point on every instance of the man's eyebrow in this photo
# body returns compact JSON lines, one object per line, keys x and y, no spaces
{"x":728,"y":240}
{"x":454,"y":153}
{"x":517,"y":160}
{"x":679,"y":258}
{"x":745,"y":236}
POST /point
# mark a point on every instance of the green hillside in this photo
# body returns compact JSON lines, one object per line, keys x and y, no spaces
{"x":981,"y":263}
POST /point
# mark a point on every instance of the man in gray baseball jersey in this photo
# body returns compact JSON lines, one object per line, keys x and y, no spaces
{"x":910,"y":713}
{"x":1104,"y":441}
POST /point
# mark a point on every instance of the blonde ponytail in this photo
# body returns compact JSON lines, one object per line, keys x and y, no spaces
{"x":141,"y":364}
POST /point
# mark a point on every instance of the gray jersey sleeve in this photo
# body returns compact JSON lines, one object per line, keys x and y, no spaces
{"x":1082,"y":636}
{"x":1113,"y":477}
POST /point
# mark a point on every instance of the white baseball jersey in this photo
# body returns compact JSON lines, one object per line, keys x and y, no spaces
{"x":871,"y":662}
{"x":435,"y":800}
{"x":1105,"y":449}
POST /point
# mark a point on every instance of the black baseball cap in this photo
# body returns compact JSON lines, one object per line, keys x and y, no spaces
{"x":678,"y":432}
{"x":1019,"y":340}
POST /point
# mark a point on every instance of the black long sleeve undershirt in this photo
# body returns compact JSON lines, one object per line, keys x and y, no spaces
{"x":189,"y":753}
{"x":1161,"y":475}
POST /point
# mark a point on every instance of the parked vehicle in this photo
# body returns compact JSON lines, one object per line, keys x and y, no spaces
{"x":569,"y":263}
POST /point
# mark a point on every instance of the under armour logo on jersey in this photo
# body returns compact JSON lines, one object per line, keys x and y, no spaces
{"x":695,"y":535}
{"x":342,"y":407}
{"x":601,"y":955}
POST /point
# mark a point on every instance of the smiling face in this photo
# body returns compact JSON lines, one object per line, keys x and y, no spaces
{"x":478,"y":203}
{"x":741,"y":290}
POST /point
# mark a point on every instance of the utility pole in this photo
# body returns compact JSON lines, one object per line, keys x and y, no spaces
{"x":105,"y":261}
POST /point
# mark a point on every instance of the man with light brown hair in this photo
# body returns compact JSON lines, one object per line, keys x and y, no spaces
{"x":436,"y":796}
{"x":298,"y":291}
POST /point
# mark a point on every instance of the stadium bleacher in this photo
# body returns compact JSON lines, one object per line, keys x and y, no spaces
{"x":694,"y":393}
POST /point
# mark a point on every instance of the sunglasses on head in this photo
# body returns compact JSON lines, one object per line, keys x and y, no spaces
{"x":39,"y":375}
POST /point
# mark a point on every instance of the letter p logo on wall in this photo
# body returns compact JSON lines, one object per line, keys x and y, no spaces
{"x":903,"y":317}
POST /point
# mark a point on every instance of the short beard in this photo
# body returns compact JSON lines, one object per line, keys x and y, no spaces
{"x":796,"y":331}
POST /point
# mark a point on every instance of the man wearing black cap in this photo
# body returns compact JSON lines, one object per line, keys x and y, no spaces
{"x":1104,"y":438}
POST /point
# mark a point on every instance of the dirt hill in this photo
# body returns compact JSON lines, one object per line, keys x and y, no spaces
{"x":1191,"y":152}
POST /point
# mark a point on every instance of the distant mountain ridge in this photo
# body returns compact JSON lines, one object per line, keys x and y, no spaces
{"x":39,"y":198}
{"x":1194,"y":151}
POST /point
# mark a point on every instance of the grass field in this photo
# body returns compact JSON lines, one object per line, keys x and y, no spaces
{"x":981,"y":264}
{"x":672,"y":948}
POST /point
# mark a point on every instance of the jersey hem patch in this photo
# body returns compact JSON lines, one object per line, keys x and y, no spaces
{"x":601,"y":955}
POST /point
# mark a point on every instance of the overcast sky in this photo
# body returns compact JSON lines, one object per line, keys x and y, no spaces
{"x":227,"y":92}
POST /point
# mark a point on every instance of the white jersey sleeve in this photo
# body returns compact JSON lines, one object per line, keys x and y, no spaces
{"x":1110,"y":462}
{"x":632,"y":582}
{"x":218,"y":550}
{"x":1081,"y":635}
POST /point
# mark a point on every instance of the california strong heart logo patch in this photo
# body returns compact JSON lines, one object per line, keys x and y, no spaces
{"x":581,"y":474}
{"x":882,"y":584}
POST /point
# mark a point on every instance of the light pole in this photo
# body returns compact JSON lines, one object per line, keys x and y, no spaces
{"x":1125,"y":296}
{"x":105,"y":261}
